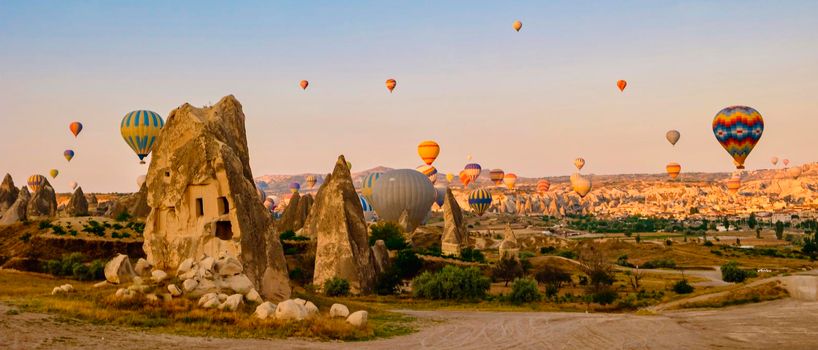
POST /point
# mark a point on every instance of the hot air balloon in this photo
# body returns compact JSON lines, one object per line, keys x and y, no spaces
{"x":54,"y":173}
{"x":261,"y":195}
{"x":464,"y":179}
{"x":270,"y":204}
{"x":517,"y":25}
{"x":364,"y":204}
{"x":403,"y":190}
{"x":738,"y":129}
{"x":449,"y":177}
{"x":621,"y":84}
{"x":36,"y":182}
{"x":510,"y":180}
{"x":774,"y":160}
{"x":673,"y":169}
{"x":311,"y":180}
{"x":428,"y":151}
{"x":786,"y":162}
{"x":294,"y":187}
{"x":794,"y":172}
{"x":672,"y":136}
{"x":479,"y":201}
{"x":140,"y":129}
{"x":429,"y":171}
{"x":75,"y":127}
{"x":579,"y":163}
{"x":543,"y":186}
{"x":68,"y":154}
{"x":304,"y":84}
{"x":733,"y":184}
{"x":581,"y":185}
{"x":390,"y":84}
{"x":369,"y":181}
{"x":140,"y":180}
{"x":496,"y":176}
{"x":440,"y":195}
{"x":472,"y":170}
{"x":73,"y":185}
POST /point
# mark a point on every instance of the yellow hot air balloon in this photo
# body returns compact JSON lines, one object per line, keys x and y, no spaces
{"x":673,"y":169}
{"x":311,"y":180}
{"x":36,"y":182}
{"x":428,"y":151}
{"x":54,"y":173}
{"x":140,"y":129}
{"x":449,"y":177}
{"x":510,"y":180}
{"x":517,"y":25}
{"x":733,"y":184}
{"x":579,"y":163}
{"x":390,"y":84}
{"x":794,"y":172}
{"x":582,"y":185}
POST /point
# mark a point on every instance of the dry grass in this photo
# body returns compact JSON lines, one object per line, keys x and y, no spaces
{"x":763,"y":292}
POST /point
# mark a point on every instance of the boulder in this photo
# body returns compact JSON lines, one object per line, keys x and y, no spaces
{"x":222,"y":297}
{"x":185,"y":266}
{"x":380,"y":255}
{"x":17,"y":212}
{"x":358,"y":318}
{"x":291,"y":311}
{"x":455,"y":235}
{"x":8,"y":194}
{"x":207,"y":297}
{"x":509,"y":245}
{"x":238,"y":283}
{"x":203,"y":199}
{"x":142,"y":268}
{"x":212,"y":303}
{"x":337,"y":222}
{"x":228,"y":266}
{"x":158,"y":276}
{"x":77,"y":205}
{"x":174,"y":290}
{"x":63,"y":289}
{"x":43,"y":203}
{"x":253,"y":297}
{"x":189,"y":285}
{"x":264,"y":310}
{"x":312,"y":310}
{"x":119,"y":270}
{"x":338,"y":310}
{"x":151,"y":297}
{"x":232,"y":302}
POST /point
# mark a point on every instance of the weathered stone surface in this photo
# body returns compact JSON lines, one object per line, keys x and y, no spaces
{"x":265,"y":309}
{"x":380,"y":255}
{"x":358,"y":318}
{"x":253,"y":297}
{"x":18,"y":210}
{"x":8,"y":194}
{"x":203,"y":199}
{"x":174,"y":290}
{"x":135,"y":205}
{"x":77,"y":205}
{"x":338,"y":310}
{"x":238,"y":283}
{"x":63,"y":289}
{"x":296,"y":213}
{"x":232,"y":302}
{"x":337,"y":222}
{"x":228,"y":266}
{"x":119,"y":270}
{"x":184,"y":267}
{"x":509,"y":246}
{"x":91,"y":199}
{"x":290,"y":310}
{"x":142,"y":268}
{"x":207,"y":297}
{"x":158,"y":276}
{"x":189,"y":285}
{"x":312,"y":310}
{"x":455,"y":235}
{"x":43,"y":203}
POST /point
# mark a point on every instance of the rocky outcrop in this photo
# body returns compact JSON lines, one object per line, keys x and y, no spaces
{"x":380,"y":255}
{"x":337,"y":222}
{"x":136,"y":205}
{"x":17,"y":211}
{"x":455,"y":236}
{"x":119,"y":270}
{"x":296,"y":213}
{"x":43,"y":203}
{"x":77,"y":205}
{"x":509,"y":245}
{"x":8,"y":194}
{"x":91,"y":199}
{"x":203,"y":199}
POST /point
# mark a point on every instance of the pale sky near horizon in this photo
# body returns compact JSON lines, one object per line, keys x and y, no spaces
{"x":527,"y":102}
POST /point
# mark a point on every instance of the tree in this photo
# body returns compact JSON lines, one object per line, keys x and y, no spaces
{"x":507,"y":269}
{"x":810,"y":246}
{"x":752,"y":222}
{"x":524,"y":290}
{"x":638,"y":238}
{"x":634,"y":277}
{"x":758,"y":232}
{"x":779,"y":230}
{"x":730,"y":272}
{"x":600,"y":274}
{"x":390,"y":233}
{"x":682,"y":287}
{"x":552,"y":277}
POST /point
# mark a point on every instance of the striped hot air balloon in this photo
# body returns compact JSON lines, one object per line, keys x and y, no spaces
{"x":369,"y":181}
{"x":311,"y":180}
{"x":673,"y":169}
{"x":403,"y":190}
{"x":496,"y":176}
{"x":738,"y":129}
{"x":543,"y":186}
{"x":365,"y":204}
{"x":733,"y":184}
{"x":579,"y":163}
{"x":429,"y":171}
{"x":36,"y":182}
{"x":140,"y":129}
{"x":294,"y":187}
{"x":480,"y":201}
{"x":464,"y":179}
{"x":510,"y":180}
{"x":472,"y":171}
{"x":428,"y":151}
{"x":68,"y":154}
{"x":75,"y":127}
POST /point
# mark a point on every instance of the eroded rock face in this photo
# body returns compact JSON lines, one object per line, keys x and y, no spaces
{"x":17,"y":211}
{"x":509,"y":245}
{"x":77,"y":205}
{"x":337,"y":222}
{"x":296,"y":213}
{"x":8,"y":193}
{"x":380,"y":255}
{"x":455,"y":235}
{"x":43,"y":203}
{"x":136,"y":205}
{"x":203,"y":199}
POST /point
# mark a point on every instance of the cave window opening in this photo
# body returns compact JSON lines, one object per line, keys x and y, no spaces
{"x":224,"y":205}
{"x":224,"y":230}
{"x":199,"y":207}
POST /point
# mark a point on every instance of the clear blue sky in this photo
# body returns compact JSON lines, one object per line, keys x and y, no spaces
{"x":527,"y":102}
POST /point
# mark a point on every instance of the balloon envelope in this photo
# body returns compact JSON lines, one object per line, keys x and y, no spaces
{"x":68,"y":154}
{"x":294,"y":187}
{"x":369,"y":181}
{"x":75,"y":127}
{"x":496,"y":176}
{"x":54,"y":173}
{"x":311,"y":180}
{"x":73,"y":185}
{"x":472,"y":170}
{"x":581,"y":185}
{"x":140,"y":129}
{"x":673,"y":169}
{"x":428,"y":151}
{"x":304,"y":84}
{"x":621,"y":84}
{"x":733,"y":184}
{"x":672,"y":136}
{"x":36,"y":182}
{"x":464,"y":179}
{"x":429,"y":171}
{"x":449,"y":177}
{"x":738,"y":129}
{"x":440,"y":195}
{"x":543,"y":186}
{"x":402,"y":190}
{"x":786,"y":162}
{"x":774,"y":160}
{"x":517,"y":25}
{"x":390,"y":84}
{"x":479,"y":201}
{"x":510,"y":180}
{"x":794,"y":172}
{"x":579,"y":163}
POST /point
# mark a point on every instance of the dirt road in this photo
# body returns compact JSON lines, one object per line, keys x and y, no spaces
{"x":785,"y":324}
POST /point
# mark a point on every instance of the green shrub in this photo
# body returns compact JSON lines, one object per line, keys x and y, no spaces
{"x":708,"y":243}
{"x":26,"y":237}
{"x":524,"y":290}
{"x":73,"y":233}
{"x":44,"y":225}
{"x":58,"y":230}
{"x":390,"y":233}
{"x":97,"y":269}
{"x":730,"y":272}
{"x":81,"y":272}
{"x":451,"y":283}
{"x":659,"y":264}
{"x":682,"y":287}
{"x":388,"y":282}
{"x":547,"y":250}
{"x":507,"y":269}
{"x":604,"y":296}
{"x":568,"y":254}
{"x":469,"y":254}
{"x":123,"y":216}
{"x":287,"y":235}
{"x":407,"y":264}
{"x":335,"y":287}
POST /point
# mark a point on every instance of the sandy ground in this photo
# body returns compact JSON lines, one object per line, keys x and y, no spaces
{"x":784,"y":324}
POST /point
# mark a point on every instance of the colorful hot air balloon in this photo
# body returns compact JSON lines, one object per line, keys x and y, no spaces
{"x":369,"y":181}
{"x":673,"y":169}
{"x":36,"y":182}
{"x":479,"y":201}
{"x":449,"y":177}
{"x":440,"y":195}
{"x":140,"y":129}
{"x":140,"y":180}
{"x":270,"y":204}
{"x":304,"y":84}
{"x":774,"y":160}
{"x":68,"y":154}
{"x":672,"y":136}
{"x":428,"y":151}
{"x":429,"y":171}
{"x":403,"y":190}
{"x":496,"y":176}
{"x":464,"y":179}
{"x":621,"y":84}
{"x":54,"y":173}
{"x":517,"y":25}
{"x":472,"y":171}
{"x":75,"y":127}
{"x":733,"y":184}
{"x":579,"y":163}
{"x":73,"y":185}
{"x":738,"y":129}
{"x":294,"y":187}
{"x":543,"y":186}
{"x":390,"y":84}
{"x":510,"y":180}
{"x":581,"y":184}
{"x":786,"y":162}
{"x":365,"y":204}
{"x":311,"y":180}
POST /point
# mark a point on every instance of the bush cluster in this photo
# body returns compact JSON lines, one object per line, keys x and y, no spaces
{"x":390,"y":233}
{"x":336,"y":287}
{"x":524,"y":290}
{"x":682,"y":287}
{"x":730,"y":272}
{"x":72,"y":265}
{"x":451,"y":283}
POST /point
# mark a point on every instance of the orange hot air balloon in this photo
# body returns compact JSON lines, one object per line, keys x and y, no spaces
{"x":510,"y":180}
{"x":304,"y":84}
{"x":75,"y":128}
{"x":733,"y":184}
{"x":464,"y":178}
{"x":390,"y":84}
{"x":517,"y":25}
{"x":428,"y":151}
{"x":449,"y":177}
{"x":673,"y":169}
{"x":621,"y":84}
{"x":543,"y":186}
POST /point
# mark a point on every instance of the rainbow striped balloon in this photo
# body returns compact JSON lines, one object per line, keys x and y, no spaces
{"x":140,"y":130}
{"x":429,"y":171}
{"x":36,"y":182}
{"x":738,"y":129}
{"x":496,"y":176}
{"x":473,"y":171}
{"x":480,"y":201}
{"x":543,"y":186}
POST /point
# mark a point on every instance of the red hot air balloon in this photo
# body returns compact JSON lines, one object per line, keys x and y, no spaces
{"x":75,"y":127}
{"x":304,"y":84}
{"x":621,"y":85}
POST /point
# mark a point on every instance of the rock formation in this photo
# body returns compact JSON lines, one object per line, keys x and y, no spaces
{"x":17,"y":211}
{"x":296,"y":213}
{"x":8,"y":194}
{"x":455,"y":235}
{"x":91,"y":199}
{"x":203,"y":199}
{"x":136,"y":205}
{"x":509,"y":246}
{"x":43,"y":203}
{"x":380,"y":255}
{"x":77,"y":205}
{"x":337,"y":222}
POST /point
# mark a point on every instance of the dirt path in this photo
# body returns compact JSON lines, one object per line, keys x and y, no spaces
{"x":786,"y":324}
